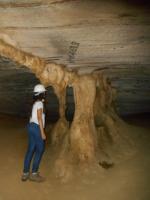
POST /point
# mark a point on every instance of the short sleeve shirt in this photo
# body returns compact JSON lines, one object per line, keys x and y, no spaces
{"x":36,"y":106}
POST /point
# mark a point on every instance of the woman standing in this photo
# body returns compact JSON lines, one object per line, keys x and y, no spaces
{"x":36,"y":135}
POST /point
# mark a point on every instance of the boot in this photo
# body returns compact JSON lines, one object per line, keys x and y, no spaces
{"x":36,"y":177}
{"x":25,"y":176}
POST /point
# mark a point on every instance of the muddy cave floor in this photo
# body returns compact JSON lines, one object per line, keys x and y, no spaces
{"x":127,"y":180}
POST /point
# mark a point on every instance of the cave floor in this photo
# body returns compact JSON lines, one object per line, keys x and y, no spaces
{"x":127,"y":180}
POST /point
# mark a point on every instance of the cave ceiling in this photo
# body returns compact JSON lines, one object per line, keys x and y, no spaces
{"x":110,"y":36}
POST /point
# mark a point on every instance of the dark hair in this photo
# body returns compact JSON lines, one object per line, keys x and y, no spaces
{"x":38,"y":97}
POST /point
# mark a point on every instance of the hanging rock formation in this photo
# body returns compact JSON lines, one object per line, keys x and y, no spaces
{"x":94,"y":131}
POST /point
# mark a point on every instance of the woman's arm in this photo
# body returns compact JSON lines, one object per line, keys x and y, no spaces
{"x":39,"y":117}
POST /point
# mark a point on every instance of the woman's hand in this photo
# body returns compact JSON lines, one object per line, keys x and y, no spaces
{"x":43,"y":136}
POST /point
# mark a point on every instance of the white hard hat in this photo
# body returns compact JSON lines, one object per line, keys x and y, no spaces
{"x":39,"y":88}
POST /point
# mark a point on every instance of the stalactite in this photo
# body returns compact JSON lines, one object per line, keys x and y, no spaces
{"x":34,"y":63}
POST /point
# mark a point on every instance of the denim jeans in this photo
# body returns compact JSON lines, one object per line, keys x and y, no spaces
{"x":35,"y":149}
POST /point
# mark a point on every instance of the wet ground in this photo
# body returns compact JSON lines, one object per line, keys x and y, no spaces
{"x":127,"y":180}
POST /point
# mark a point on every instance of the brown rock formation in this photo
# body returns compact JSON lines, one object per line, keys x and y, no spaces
{"x":82,"y":142}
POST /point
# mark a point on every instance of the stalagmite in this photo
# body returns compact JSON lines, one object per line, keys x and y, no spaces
{"x":95,"y":127}
{"x":112,"y":135}
{"x":61,"y":127}
{"x":83,"y":132}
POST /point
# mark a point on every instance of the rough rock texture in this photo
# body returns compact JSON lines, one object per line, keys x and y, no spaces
{"x":82,"y":142}
{"x":86,"y":35}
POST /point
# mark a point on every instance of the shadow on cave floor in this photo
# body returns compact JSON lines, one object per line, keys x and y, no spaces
{"x":142,"y":120}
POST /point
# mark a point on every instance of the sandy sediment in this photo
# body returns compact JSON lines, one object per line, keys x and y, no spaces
{"x":128,"y":179}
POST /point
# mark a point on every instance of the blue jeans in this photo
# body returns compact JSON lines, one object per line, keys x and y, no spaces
{"x":35,"y":149}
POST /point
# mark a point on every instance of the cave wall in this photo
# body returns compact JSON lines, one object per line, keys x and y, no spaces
{"x":113,"y":36}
